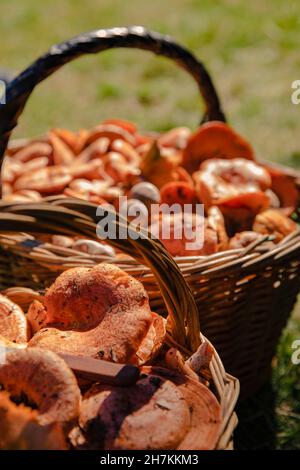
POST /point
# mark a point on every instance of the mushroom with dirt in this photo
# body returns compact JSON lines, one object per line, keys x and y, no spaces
{"x":114,"y":418}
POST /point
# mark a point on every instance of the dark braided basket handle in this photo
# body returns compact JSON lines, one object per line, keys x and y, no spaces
{"x":20,"y":89}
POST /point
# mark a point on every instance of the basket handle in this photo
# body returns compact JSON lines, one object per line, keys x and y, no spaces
{"x":76,"y":217}
{"x":20,"y":89}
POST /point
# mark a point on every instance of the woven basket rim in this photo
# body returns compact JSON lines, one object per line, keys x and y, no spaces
{"x":226,"y":262}
{"x":209,"y":265}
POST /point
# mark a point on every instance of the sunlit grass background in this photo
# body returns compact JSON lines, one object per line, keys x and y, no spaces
{"x":252,"y":50}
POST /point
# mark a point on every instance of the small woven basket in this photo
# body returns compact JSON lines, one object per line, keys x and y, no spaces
{"x":244,"y":296}
{"x":182,"y":319}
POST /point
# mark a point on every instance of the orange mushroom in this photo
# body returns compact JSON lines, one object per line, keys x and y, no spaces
{"x":100,"y":312}
{"x":237,"y":187}
{"x":13,"y":323}
{"x":179,"y":192}
{"x":20,"y":429}
{"x":215,"y":140}
{"x":33,"y":150}
{"x":42,"y":381}
{"x":185,"y":234}
{"x":24,"y":195}
{"x":132,"y":417}
{"x":95,"y":150}
{"x":52,"y":179}
{"x":161,"y":169}
{"x":117,"y":166}
{"x":91,"y":170}
{"x":176,"y":138}
{"x":286,"y":187}
{"x":216,"y":222}
{"x":62,"y":153}
{"x":7,"y":343}
{"x":243,"y":239}
{"x":112,"y":132}
{"x":126,"y":125}
{"x":274,"y":222}
{"x":74,"y":140}
{"x":36,"y":315}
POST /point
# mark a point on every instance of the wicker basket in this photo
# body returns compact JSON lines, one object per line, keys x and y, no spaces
{"x":183,"y":320}
{"x":244,"y":296}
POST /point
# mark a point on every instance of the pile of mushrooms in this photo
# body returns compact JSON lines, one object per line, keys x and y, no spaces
{"x":214,"y":166}
{"x":101,"y":313}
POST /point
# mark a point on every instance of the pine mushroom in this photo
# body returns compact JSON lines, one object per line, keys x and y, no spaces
{"x":163,"y":410}
{"x":274,"y":222}
{"x":100,"y":312}
{"x":43,"y":381}
{"x":20,"y":429}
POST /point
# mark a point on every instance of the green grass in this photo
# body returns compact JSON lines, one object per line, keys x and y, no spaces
{"x":252,"y":51}
{"x":250,"y":48}
{"x":287,"y":385}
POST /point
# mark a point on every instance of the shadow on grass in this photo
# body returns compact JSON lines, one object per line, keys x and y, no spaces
{"x":270,"y":419}
{"x":257,"y":421}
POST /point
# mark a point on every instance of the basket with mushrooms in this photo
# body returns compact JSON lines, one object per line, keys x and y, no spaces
{"x":242,"y":199}
{"x":91,"y":321}
{"x":250,"y":244}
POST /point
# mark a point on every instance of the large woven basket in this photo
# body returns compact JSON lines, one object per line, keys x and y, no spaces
{"x":183,"y":330}
{"x":244,"y":296}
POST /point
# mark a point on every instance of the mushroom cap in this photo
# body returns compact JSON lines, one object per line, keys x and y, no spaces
{"x":47,"y":180}
{"x":36,"y":315}
{"x":131,"y":418}
{"x":285,"y":188}
{"x":233,"y":183}
{"x":216,"y":222}
{"x":180,"y":234}
{"x":106,"y":341}
{"x":176,"y":138}
{"x":13,"y":323}
{"x":274,"y":222}
{"x":81,"y":297}
{"x":205,"y":411}
{"x":6,"y":343}
{"x":20,"y":429}
{"x":178,"y":192}
{"x":243,"y":239}
{"x":45,"y":380}
{"x":100,"y":312}
{"x":152,"y":342}
{"x":213,"y":139}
